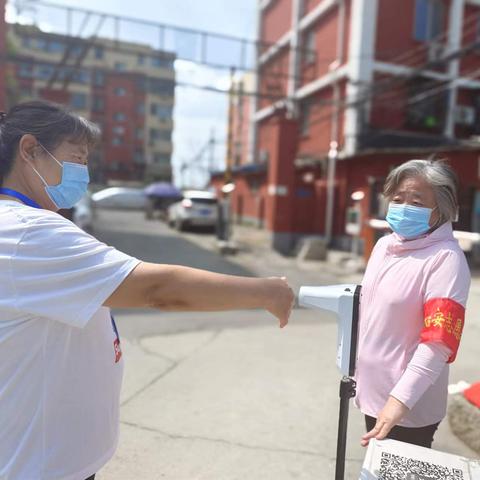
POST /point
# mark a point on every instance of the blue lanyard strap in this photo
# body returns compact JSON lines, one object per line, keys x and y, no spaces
{"x":26,"y":200}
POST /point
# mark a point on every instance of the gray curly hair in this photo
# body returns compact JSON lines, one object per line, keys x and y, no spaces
{"x":440,"y":177}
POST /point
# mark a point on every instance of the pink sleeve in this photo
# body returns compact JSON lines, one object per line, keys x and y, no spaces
{"x":422,"y":371}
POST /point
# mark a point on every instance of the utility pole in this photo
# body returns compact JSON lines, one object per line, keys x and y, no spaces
{"x":211,"y":150}
{"x":228,"y":157}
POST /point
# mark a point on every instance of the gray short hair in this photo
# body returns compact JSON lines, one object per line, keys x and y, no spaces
{"x":439,"y":175}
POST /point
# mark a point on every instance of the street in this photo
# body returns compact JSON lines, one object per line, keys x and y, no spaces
{"x":231,"y":396}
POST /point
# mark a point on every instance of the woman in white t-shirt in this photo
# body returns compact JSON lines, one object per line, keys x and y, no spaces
{"x":60,"y":356}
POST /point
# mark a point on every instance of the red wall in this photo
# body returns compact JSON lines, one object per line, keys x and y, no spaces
{"x":326,"y":31}
{"x":309,"y":5}
{"x":276,"y":21}
{"x":395,"y":33}
{"x":388,"y":104}
{"x":470,"y":63}
{"x":124,"y":153}
{"x":317,"y":141}
{"x":274,"y":78}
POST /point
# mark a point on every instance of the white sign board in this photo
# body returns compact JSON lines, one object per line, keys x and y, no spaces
{"x":392,"y":460}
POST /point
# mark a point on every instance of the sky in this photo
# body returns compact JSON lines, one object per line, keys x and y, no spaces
{"x":197,"y":113}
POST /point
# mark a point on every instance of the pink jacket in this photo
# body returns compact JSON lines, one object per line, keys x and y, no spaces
{"x":412,"y":308}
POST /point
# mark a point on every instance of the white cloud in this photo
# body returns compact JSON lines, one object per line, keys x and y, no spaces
{"x":197,"y":113}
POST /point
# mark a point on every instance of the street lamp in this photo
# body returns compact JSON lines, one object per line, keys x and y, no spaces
{"x":224,"y":220}
{"x":332,"y":160}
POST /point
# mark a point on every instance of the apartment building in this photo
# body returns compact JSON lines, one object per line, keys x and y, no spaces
{"x":126,"y":88}
{"x":348,"y":89}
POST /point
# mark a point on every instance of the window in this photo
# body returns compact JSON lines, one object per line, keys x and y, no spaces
{"x":309,"y":47}
{"x":160,"y":62}
{"x":141,"y":59}
{"x":98,"y":104}
{"x":161,"y":111}
{"x":44,"y":72}
{"x":55,"y":46}
{"x":25,"y":70}
{"x":161,"y":158}
{"x":141,"y":84}
{"x":81,"y":76}
{"x":138,"y":157}
{"x":160,"y":86}
{"x":118,"y":130}
{"x":156,"y":134}
{"x":120,"y":92}
{"x":305,"y":111}
{"x":98,"y":52}
{"x":120,"y":66}
{"x":139,"y":133}
{"x":117,"y":141}
{"x":79,"y":101}
{"x":429,"y":19}
{"x":76,"y":50}
{"x":26,"y":42}
{"x":98,"y":78}
{"x":119,"y":116}
{"x":141,"y":109}
{"x":42,"y":44}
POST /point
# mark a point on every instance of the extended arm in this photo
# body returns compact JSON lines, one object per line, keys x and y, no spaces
{"x":172,"y":287}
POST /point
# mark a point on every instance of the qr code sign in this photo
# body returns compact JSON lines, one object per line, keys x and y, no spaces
{"x":395,"y":467}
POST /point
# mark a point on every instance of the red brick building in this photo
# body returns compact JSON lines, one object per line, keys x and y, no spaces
{"x":128,"y":89}
{"x":349,"y":89}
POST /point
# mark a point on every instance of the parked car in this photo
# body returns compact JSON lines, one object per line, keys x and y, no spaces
{"x":197,"y":209}
{"x":120,"y":197}
{"x":82,"y":213}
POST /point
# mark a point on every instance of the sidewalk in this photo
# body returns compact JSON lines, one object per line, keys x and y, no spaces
{"x":254,"y":245}
{"x":253,"y":403}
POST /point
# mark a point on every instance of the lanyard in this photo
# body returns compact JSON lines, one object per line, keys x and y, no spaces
{"x":26,"y":200}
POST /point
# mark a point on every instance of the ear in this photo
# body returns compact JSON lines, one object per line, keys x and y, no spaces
{"x":27,"y":147}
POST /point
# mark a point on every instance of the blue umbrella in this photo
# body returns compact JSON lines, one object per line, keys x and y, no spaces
{"x":163,"y":190}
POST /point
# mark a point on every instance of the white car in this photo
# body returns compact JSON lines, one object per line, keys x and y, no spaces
{"x":197,"y":209}
{"x":83,"y":214}
{"x":120,"y":197}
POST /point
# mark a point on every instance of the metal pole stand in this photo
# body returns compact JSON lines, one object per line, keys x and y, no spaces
{"x":347,"y":391}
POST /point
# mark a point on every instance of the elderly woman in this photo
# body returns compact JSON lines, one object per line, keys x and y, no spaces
{"x":60,"y":356}
{"x":412,"y":308}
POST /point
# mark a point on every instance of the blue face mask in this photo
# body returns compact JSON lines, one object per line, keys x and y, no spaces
{"x":408,"y":221}
{"x":72,"y":187}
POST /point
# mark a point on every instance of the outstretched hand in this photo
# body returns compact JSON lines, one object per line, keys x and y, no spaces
{"x":280,"y":299}
{"x":393,"y":411}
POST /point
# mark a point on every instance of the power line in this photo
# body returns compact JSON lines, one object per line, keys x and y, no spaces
{"x":417,"y":99}
{"x":203,"y":36}
{"x":380,"y":87}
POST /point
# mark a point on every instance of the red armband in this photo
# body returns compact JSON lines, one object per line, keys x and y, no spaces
{"x":444,"y":319}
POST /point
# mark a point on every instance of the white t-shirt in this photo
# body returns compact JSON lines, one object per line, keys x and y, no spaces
{"x":60,"y":360}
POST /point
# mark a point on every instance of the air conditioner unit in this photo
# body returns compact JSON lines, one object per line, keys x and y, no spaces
{"x":435,"y":51}
{"x":464,"y":115}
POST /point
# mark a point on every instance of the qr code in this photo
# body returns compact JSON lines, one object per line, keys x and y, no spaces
{"x":395,"y":467}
